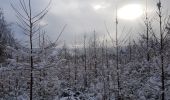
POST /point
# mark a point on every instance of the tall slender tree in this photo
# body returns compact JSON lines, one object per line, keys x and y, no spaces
{"x":147,"y":30}
{"x":75,"y":63}
{"x":29,"y":22}
{"x":117,"y":59}
{"x":95,"y":54}
{"x":159,"y":5}
{"x":85,"y":63}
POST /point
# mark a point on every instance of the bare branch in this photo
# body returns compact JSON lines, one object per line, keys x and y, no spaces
{"x":40,"y":17}
{"x":60,"y":33}
{"x":43,"y":11}
{"x":109,"y":35}
{"x":22,"y":16}
{"x":23,"y":7}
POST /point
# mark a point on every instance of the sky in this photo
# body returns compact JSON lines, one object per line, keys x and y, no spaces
{"x":83,"y":17}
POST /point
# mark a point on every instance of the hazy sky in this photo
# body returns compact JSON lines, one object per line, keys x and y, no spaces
{"x":83,"y":17}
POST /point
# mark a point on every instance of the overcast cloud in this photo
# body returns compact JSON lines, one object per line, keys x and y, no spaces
{"x":81,"y":16}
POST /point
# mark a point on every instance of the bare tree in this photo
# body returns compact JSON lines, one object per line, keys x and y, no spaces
{"x":130,"y":50}
{"x":159,"y":5}
{"x":117,"y":59}
{"x":85,"y":63}
{"x":75,"y":63}
{"x":30,"y":25}
{"x":162,"y":41}
{"x":147,"y":30}
{"x":95,"y":55}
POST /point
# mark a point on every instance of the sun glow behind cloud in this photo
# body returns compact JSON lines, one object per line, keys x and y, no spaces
{"x":130,"y":12}
{"x":97,"y":7}
{"x":100,"y":5}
